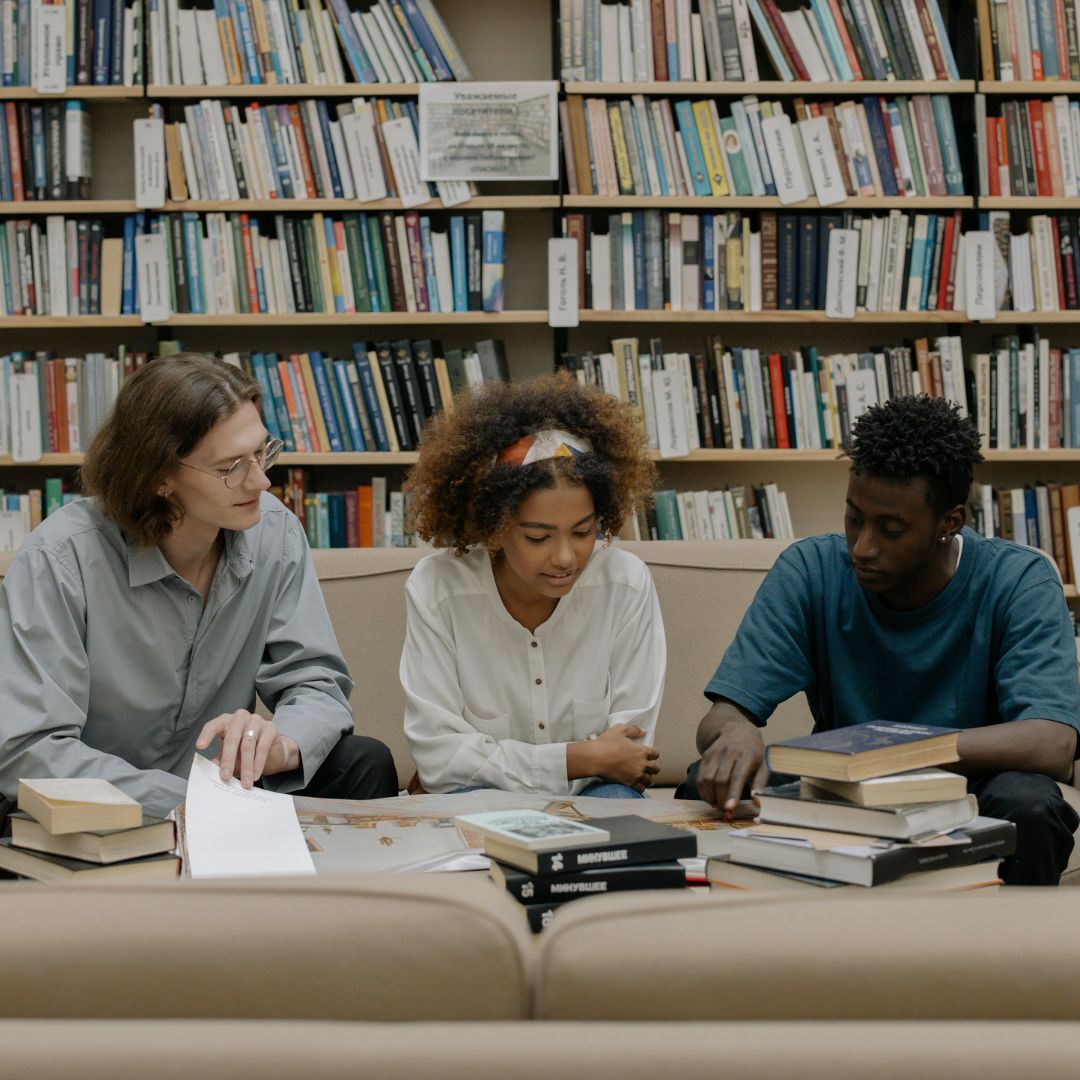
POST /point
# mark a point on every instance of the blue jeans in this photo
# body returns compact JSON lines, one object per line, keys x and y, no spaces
{"x":598,"y":789}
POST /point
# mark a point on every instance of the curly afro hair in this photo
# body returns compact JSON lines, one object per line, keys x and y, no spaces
{"x":458,"y":498}
{"x":919,"y":436}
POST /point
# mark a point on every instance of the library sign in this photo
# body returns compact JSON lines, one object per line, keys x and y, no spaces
{"x":489,"y":131}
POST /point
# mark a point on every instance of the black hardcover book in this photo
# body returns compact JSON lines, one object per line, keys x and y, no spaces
{"x":902,"y":42}
{"x":424,"y":353}
{"x":808,"y":238}
{"x":770,"y":412}
{"x":905,"y":273}
{"x":394,"y":394}
{"x":828,"y":222}
{"x":935,"y":264}
{"x":540,"y":915}
{"x":83,"y":42}
{"x":900,"y":64}
{"x":181,"y":292}
{"x":410,"y":387}
{"x":54,"y":149}
{"x":634,"y":840}
{"x":301,"y":292}
{"x":474,"y":253}
{"x":116,"y":67}
{"x":234,"y":150}
{"x":97,"y":234}
{"x":26,"y":149}
{"x":787,"y":261}
{"x":540,"y":888}
{"x":492,"y":357}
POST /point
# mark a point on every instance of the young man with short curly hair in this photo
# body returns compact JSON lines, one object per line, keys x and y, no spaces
{"x":912,"y":616}
{"x":534,"y":656}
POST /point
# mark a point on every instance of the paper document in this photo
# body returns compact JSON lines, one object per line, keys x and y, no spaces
{"x":236,"y":833}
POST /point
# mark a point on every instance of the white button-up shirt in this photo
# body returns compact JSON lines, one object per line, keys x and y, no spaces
{"x":488,"y":703}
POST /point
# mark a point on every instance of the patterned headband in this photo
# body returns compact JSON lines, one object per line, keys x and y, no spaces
{"x":555,"y":443}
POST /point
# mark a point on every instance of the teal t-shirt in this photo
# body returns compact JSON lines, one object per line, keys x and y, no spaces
{"x":995,"y":645}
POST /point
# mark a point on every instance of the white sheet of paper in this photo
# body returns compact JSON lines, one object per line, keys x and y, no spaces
{"x":236,"y":833}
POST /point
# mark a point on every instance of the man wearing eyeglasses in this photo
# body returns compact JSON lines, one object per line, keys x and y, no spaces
{"x":138,"y":625}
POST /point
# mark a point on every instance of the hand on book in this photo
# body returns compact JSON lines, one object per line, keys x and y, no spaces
{"x":618,"y":756}
{"x":734,"y":757}
{"x":251,"y":747}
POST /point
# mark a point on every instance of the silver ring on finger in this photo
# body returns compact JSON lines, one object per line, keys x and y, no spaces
{"x":249,"y":734}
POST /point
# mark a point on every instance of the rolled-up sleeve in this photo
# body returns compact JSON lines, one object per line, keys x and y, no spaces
{"x":45,"y":687}
{"x":449,"y":751}
{"x":303,"y":679}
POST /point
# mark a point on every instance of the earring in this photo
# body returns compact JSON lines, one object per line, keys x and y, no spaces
{"x":944,"y":539}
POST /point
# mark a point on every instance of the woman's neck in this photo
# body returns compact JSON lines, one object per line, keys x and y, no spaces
{"x":525,"y":606}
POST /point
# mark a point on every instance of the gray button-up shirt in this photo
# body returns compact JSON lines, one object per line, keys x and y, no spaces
{"x":110,"y":663}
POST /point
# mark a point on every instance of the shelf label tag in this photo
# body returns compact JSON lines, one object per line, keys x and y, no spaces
{"x":842,"y":273}
{"x":49,"y":62}
{"x":150,"y":164}
{"x":669,"y":400}
{"x":563,"y":282}
{"x":784,"y":159}
{"x":821,"y":157}
{"x":979,"y":248}
{"x":154,"y":301}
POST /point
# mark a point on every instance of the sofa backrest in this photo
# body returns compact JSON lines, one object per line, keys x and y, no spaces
{"x":363,"y":947}
{"x":704,"y":589}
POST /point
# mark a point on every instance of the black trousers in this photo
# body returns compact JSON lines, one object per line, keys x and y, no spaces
{"x":1044,"y":821}
{"x":359,"y":767}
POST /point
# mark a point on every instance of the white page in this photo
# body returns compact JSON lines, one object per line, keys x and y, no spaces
{"x":236,"y":833}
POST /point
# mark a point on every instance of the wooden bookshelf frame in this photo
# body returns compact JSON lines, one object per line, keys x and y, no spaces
{"x":767,"y":202}
{"x":769,"y":87}
{"x":332,"y":206}
{"x":280,"y":90}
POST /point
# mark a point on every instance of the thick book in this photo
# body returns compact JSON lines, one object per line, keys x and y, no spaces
{"x":152,"y":837}
{"x":532,"y":831}
{"x":41,"y":866}
{"x":75,"y":804}
{"x":863,"y":751}
{"x":917,"y":786}
{"x":722,"y":873}
{"x":803,"y":804}
{"x":868,"y":863}
{"x":538,"y":888}
{"x":633,"y":840}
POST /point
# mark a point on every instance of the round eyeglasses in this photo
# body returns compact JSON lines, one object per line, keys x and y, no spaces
{"x":237,"y":472}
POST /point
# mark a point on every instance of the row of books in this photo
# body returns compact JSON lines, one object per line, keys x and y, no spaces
{"x":238,"y":263}
{"x":379,"y":399}
{"x":87,"y":828}
{"x":876,"y":146}
{"x":1027,"y":395}
{"x":870,"y":810}
{"x":22,"y":512}
{"x":746,"y":398}
{"x":1046,"y":516}
{"x":98,"y":44}
{"x":62,"y":266}
{"x":277,"y":43}
{"x":370,"y":515}
{"x":297,"y":151}
{"x":1029,"y":39}
{"x":44,"y":151}
{"x":1032,"y":148}
{"x":733,"y":513}
{"x":1043,"y":262}
{"x":667,"y":40}
{"x":652,"y":260}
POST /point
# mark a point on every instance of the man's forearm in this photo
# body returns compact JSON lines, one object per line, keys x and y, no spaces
{"x":717,"y":720}
{"x":1037,"y":746}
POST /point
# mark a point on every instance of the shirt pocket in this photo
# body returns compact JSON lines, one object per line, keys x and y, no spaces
{"x":590,"y":718}
{"x":497,"y":727}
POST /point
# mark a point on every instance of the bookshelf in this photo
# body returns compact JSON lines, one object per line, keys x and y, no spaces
{"x":519,"y":40}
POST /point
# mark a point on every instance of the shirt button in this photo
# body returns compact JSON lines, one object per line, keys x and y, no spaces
{"x":541,"y":725}
{"x":534,"y":643}
{"x":191,"y":599}
{"x":539,"y":681}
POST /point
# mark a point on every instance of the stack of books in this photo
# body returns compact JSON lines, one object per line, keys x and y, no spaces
{"x":869,"y":810}
{"x":545,"y":861}
{"x":66,"y":828}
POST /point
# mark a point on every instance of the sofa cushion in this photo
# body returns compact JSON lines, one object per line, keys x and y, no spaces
{"x":277,"y":1050}
{"x":1013,"y":954}
{"x":369,"y":947}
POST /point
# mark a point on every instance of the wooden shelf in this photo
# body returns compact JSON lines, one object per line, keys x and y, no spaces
{"x":45,"y":461}
{"x":267,"y":90}
{"x":1037,"y":203}
{"x":862,"y":318}
{"x":775,"y":86}
{"x":1071,"y":592}
{"x":295,"y":206}
{"x":1026,"y":88}
{"x":400,"y":457}
{"x":81,"y":322}
{"x":768,"y":202}
{"x":1026,"y":318}
{"x":387,"y":318}
{"x":36,"y":207}
{"x":89,"y":93}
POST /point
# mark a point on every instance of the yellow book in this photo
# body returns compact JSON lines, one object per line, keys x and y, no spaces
{"x":229,"y":51}
{"x":622,"y":156}
{"x":308,"y":59}
{"x":830,"y":397}
{"x":314,"y":400}
{"x":442,"y":378}
{"x":334,"y":269}
{"x":324,"y":263}
{"x":384,"y":405}
{"x":746,"y":262}
{"x":77,"y":804}
{"x":262,"y":40}
{"x":710,"y":147}
{"x":626,"y":361}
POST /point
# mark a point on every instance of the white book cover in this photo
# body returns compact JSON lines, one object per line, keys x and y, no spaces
{"x":24,"y":411}
{"x":703,"y":517}
{"x":1004,"y":438}
{"x":798,"y":25}
{"x":684,"y":36}
{"x":670,"y":413}
{"x":376,"y":53}
{"x":341,"y":158}
{"x":1072,"y":521}
{"x":1020,"y":280}
{"x":755,"y":272}
{"x":647,"y":405}
{"x":1027,"y":398}
{"x":821,"y":158}
{"x":1066,"y":145}
{"x":49,"y":43}
{"x":191,"y":68}
{"x":404,"y":153}
{"x":641,"y":41}
{"x":191,"y":171}
{"x":395,"y":36}
{"x":697,"y":38}
{"x":254,"y":166}
{"x":609,"y":375}
{"x":918,"y":38}
{"x":600,"y":246}
{"x":56,"y":243}
{"x":1043,"y":361}
{"x":747,"y":53}
{"x":150,"y":173}
{"x":783,"y":159}
{"x":362,"y":147}
{"x":734,"y":409}
{"x":902,"y":226}
{"x":684,"y":500}
{"x":610,"y":68}
{"x":683,"y":362}
{"x":398,"y":69}
{"x":444,"y":278}
{"x":810,"y":409}
{"x":281,"y":41}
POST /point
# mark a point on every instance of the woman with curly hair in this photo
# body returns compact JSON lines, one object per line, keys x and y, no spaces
{"x":534,"y":653}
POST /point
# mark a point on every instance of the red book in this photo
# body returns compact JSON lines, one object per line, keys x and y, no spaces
{"x":297,"y":124}
{"x":787,"y":45}
{"x":1072,"y":296}
{"x":845,"y":40}
{"x":249,"y":264}
{"x":416,"y":260}
{"x":47,"y":376}
{"x":1038,"y":146}
{"x":365,"y":520}
{"x":929,"y":29}
{"x":992,"y":161}
{"x":352,"y":524}
{"x":14,"y":154}
{"x":307,"y":416}
{"x":1002,"y":155}
{"x":292,"y":406}
{"x":776,"y":387}
{"x":1056,"y":233}
{"x":59,"y":380}
{"x":893,"y":156}
{"x":946,"y":257}
{"x":659,"y":41}
{"x":1055,"y":398}
{"x":1062,"y":38}
{"x":575,"y":230}
{"x":950,"y":281}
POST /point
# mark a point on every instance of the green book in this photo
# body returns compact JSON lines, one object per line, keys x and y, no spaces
{"x":311,"y":264}
{"x":335,"y":400}
{"x":667,"y":515}
{"x":54,"y":494}
{"x":455,"y":369}
{"x":903,"y":107}
{"x":239,"y":281}
{"x":355,"y":247}
{"x":379,"y":261}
